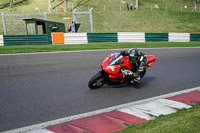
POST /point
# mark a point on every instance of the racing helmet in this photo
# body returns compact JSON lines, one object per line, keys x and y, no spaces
{"x":133,"y":54}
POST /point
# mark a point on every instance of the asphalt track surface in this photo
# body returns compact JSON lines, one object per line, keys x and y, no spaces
{"x":36,"y":88}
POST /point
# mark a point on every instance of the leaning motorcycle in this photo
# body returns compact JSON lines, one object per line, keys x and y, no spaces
{"x":113,"y":73}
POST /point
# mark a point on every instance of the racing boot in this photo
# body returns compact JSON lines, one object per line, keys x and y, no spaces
{"x":136,"y":78}
{"x":137,"y":75}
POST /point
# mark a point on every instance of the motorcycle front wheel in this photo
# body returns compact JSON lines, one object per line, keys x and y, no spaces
{"x":97,"y":81}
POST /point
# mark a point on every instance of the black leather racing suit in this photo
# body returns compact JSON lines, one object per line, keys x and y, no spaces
{"x":137,"y":59}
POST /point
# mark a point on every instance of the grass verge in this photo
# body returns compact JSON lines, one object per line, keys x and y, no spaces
{"x":112,"y":15}
{"x":91,"y":46}
{"x":183,"y":121}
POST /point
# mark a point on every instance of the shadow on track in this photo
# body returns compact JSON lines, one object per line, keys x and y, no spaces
{"x":144,"y":82}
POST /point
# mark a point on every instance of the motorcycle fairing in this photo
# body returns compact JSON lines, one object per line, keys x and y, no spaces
{"x":112,"y":64}
{"x":150,"y":60}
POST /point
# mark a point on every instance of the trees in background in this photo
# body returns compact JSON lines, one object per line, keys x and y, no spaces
{"x":61,"y":2}
{"x":10,"y":3}
{"x":65,"y":5}
{"x":65,"y":2}
{"x":195,"y":1}
{"x":49,"y":6}
{"x":52,"y":4}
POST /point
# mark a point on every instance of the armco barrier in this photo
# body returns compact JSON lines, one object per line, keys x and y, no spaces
{"x":75,"y":38}
{"x":1,"y":40}
{"x":195,"y":37}
{"x":26,"y":39}
{"x":102,"y":37}
{"x":156,"y":37}
{"x":131,"y":36}
{"x":179,"y":37}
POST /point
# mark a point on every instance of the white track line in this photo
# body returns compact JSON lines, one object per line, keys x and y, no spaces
{"x":94,"y":51}
{"x":62,"y":120}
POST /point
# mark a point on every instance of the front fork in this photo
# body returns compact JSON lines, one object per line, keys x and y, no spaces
{"x":105,"y":74}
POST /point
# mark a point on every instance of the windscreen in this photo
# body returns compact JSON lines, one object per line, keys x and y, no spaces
{"x":116,"y":60}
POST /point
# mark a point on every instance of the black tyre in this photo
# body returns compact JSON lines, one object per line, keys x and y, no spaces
{"x":97,"y":81}
{"x":143,"y":73}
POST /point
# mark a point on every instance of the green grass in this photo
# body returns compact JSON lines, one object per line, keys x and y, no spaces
{"x":183,"y":121}
{"x":91,"y":46}
{"x":112,"y":19}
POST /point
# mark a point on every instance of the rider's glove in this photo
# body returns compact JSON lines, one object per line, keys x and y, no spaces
{"x":127,"y":72}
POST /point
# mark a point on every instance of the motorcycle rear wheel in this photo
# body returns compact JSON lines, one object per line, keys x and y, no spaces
{"x":143,"y":73}
{"x":97,"y":81}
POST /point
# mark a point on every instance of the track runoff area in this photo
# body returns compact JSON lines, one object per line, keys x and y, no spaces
{"x":118,"y":117}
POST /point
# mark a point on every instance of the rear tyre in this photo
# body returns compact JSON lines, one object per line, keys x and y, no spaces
{"x":143,"y":73}
{"x":97,"y":81}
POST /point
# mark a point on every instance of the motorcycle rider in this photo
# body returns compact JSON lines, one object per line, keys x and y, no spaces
{"x":137,"y":59}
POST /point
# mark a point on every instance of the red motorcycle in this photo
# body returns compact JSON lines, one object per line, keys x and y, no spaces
{"x":112,"y":72}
